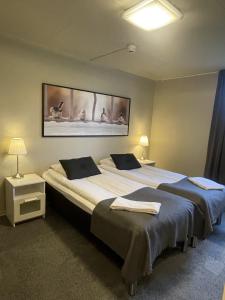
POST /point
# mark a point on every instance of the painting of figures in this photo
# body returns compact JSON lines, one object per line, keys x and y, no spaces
{"x":74,"y":112}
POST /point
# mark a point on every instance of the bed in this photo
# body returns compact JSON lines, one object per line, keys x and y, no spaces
{"x":210,"y":203}
{"x":138,"y":238}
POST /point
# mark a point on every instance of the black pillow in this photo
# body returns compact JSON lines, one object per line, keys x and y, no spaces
{"x":78,"y":168}
{"x":125,"y":161}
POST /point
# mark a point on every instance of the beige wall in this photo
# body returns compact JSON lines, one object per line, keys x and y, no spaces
{"x":181,"y":123}
{"x":22,"y":70}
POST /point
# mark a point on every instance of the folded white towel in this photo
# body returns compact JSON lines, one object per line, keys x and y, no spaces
{"x":206,"y":184}
{"x":136,"y":206}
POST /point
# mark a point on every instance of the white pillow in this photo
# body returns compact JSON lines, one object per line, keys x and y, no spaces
{"x":107,"y":162}
{"x":58,"y":168}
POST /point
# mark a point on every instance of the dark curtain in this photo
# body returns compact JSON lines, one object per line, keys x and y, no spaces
{"x":215,"y":162}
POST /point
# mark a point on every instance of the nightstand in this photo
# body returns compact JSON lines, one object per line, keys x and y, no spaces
{"x":147,"y":162}
{"x":25,"y":198}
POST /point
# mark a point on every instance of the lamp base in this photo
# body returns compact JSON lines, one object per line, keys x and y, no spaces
{"x":143,"y":155}
{"x":18,"y":176}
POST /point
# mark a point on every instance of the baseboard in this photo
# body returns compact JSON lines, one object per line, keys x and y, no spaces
{"x":2,"y":213}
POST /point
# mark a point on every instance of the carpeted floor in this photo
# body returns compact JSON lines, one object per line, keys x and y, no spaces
{"x":51,"y":259}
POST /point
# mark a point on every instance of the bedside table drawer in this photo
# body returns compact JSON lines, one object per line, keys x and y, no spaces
{"x":29,"y":207}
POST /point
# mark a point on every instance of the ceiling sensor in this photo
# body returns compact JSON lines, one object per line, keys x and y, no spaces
{"x":131,"y":48}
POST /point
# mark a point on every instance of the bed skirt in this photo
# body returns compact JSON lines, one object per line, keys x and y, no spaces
{"x":74,"y":214}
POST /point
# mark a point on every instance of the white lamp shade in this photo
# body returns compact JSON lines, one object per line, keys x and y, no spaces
{"x":144,"y":141}
{"x":17,"y":147}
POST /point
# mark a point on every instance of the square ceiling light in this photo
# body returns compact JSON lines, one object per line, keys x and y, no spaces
{"x":152,"y":14}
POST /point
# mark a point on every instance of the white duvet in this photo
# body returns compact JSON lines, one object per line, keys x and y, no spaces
{"x":95,"y":188}
{"x":150,"y":176}
{"x":73,"y":197}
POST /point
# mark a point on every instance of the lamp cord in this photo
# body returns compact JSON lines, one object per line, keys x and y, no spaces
{"x":17,"y":164}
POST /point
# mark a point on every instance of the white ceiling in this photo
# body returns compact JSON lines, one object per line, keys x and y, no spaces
{"x":87,"y":28}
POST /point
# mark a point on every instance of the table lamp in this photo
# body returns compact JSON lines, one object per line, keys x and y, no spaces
{"x":17,"y":147}
{"x":144,"y":143}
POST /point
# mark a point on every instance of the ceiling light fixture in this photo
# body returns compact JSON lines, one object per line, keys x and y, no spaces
{"x":152,"y":14}
{"x":131,"y":48}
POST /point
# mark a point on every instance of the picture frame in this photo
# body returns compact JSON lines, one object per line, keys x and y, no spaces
{"x":72,"y":112}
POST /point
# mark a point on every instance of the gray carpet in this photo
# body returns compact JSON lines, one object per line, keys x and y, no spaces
{"x":51,"y":259}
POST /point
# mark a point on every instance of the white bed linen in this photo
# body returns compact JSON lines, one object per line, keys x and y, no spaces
{"x":114,"y":183}
{"x":150,"y":176}
{"x":92,"y":189}
{"x":70,"y":195}
{"x":109,"y":181}
{"x":82,"y":187}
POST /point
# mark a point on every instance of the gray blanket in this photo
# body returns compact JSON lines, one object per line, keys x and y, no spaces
{"x":139,"y":238}
{"x":210,"y":203}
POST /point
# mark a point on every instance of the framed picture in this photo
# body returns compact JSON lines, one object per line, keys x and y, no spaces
{"x":74,"y":112}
